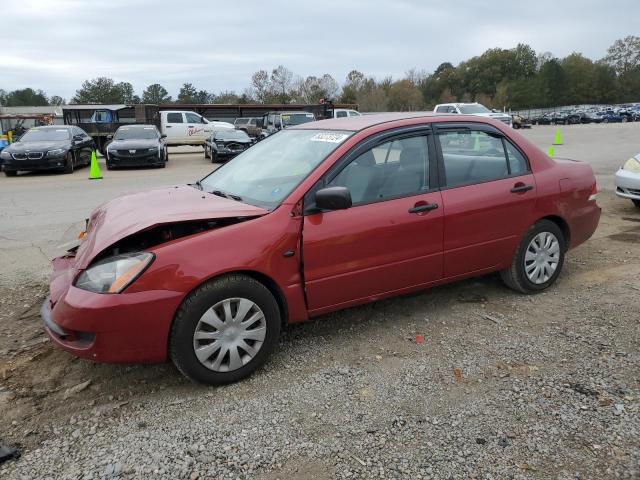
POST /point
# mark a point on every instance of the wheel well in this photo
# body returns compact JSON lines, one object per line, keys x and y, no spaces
{"x":563,"y":226}
{"x":273,"y":288}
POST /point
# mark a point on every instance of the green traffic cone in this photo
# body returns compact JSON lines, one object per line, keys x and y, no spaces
{"x":551,"y":152}
{"x":558,"y":140}
{"x":94,"y":172}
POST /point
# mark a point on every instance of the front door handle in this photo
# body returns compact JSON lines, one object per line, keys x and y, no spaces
{"x":423,"y":208}
{"x":520,"y":188}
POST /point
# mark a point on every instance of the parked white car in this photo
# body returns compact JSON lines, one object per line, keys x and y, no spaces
{"x":473,"y":109}
{"x":188,"y":128}
{"x":627,"y":180}
{"x":345,"y":112}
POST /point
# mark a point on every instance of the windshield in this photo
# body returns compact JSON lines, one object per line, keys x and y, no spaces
{"x":45,"y":134}
{"x":230,"y":135}
{"x":267,"y":172}
{"x":297,"y":118}
{"x":471,"y":109}
{"x":137,"y":133}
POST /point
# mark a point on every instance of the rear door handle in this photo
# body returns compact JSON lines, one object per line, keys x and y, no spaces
{"x":521,"y":188}
{"x":423,"y":208}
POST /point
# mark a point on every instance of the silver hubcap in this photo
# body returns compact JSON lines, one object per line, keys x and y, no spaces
{"x":229,"y":334}
{"x":542,"y":257}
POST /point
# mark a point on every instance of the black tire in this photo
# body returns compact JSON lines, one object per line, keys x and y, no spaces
{"x":162,"y":165}
{"x":181,"y":349}
{"x":515,"y":276}
{"x":68,"y":163}
{"x":635,"y":202}
{"x":166,"y":155}
{"x":214,"y":157}
{"x":11,"y":173}
{"x":206,"y":152}
{"x":110,"y":166}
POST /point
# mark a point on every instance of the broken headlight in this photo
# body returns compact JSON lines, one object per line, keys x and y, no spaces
{"x":114,"y":274}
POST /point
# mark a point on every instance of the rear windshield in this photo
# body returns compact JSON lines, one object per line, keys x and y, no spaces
{"x":470,"y":109}
{"x":137,"y":133}
{"x":45,"y":134}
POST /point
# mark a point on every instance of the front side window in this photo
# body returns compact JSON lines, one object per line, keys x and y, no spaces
{"x":175,"y":117}
{"x":193,"y":118}
{"x":392,"y":169}
{"x":472,"y":157}
{"x":341,"y":114}
{"x":265,"y":174}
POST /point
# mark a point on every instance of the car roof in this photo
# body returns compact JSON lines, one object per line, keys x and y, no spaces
{"x":137,"y":125}
{"x":365,"y":121}
{"x":53,"y":127}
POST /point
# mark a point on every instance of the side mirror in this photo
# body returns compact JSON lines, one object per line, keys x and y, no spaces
{"x":109,"y":137}
{"x":333,"y":198}
{"x":78,"y":138}
{"x":164,"y":135}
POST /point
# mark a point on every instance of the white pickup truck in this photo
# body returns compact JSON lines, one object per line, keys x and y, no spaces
{"x":188,"y":128}
{"x":473,"y":109}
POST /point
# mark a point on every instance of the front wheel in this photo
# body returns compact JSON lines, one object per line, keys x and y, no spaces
{"x":11,"y":173}
{"x":636,"y":203}
{"x":68,"y":163}
{"x":224,"y":330}
{"x":538,"y":259}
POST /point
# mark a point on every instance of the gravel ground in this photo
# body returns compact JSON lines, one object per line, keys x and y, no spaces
{"x":463,"y":381}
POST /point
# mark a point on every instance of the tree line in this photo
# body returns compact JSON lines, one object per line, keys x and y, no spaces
{"x":515,"y":78}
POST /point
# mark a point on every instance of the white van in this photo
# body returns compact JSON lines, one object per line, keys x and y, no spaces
{"x":188,"y":128}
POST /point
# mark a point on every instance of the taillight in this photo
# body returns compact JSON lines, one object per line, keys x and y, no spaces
{"x":594,"y":193}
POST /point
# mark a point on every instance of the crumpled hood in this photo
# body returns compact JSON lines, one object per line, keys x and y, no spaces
{"x":134,"y":213}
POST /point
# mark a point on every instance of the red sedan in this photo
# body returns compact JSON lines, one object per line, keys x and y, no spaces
{"x":315,"y":218}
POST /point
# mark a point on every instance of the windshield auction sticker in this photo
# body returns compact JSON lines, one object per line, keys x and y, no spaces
{"x":330,"y":137}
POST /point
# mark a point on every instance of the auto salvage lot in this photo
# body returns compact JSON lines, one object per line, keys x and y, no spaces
{"x":466,"y":380}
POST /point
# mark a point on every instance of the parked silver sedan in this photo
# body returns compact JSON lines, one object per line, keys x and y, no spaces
{"x":627,"y":180}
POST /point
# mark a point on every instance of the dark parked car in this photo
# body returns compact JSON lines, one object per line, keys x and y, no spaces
{"x":544,"y":119}
{"x":609,"y":116}
{"x":62,"y":147}
{"x":225,"y":144}
{"x":137,"y":146}
{"x":316,"y":218}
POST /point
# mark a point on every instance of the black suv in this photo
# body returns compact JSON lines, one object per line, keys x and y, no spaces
{"x":59,"y":147}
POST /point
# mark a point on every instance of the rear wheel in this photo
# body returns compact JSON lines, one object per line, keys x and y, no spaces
{"x":538,"y":259}
{"x":635,"y":202}
{"x":224,"y":330}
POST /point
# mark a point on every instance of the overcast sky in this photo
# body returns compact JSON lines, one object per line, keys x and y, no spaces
{"x":56,"y":44}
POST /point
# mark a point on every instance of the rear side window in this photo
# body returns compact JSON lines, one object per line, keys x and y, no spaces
{"x":174,"y":118}
{"x":442,"y":109}
{"x":472,"y":157}
{"x":341,"y":114}
{"x":517,"y":162}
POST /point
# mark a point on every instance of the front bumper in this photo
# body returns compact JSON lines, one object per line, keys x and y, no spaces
{"x":134,"y":160}
{"x":45,"y":163}
{"x":115,"y":328}
{"x":627,"y":184}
